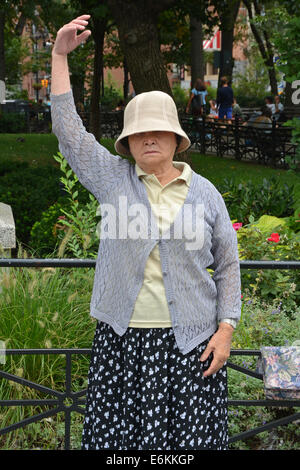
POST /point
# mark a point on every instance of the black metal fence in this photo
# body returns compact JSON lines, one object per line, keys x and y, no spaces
{"x":69,"y":401}
{"x":20,"y":116}
{"x":265,"y":144}
{"x":268,"y":145}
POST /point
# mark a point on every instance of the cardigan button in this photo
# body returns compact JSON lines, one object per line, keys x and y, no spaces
{"x":170,"y":302}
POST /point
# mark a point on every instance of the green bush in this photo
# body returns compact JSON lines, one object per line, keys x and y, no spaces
{"x":79,"y":232}
{"x":247,"y":198}
{"x":29,"y":192}
{"x":248,"y":101}
{"x":111,"y":98}
{"x":255,"y":242}
{"x":12,"y":123}
{"x":180,"y":96}
{"x":44,"y":233}
{"x":9,"y":166}
{"x":263,"y":323}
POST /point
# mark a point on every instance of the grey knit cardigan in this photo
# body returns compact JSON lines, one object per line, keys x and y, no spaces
{"x":198,"y":298}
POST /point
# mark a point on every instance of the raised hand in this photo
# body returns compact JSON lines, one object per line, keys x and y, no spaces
{"x":67,"y":39}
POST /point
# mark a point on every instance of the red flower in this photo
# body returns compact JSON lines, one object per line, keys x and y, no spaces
{"x":237,"y":225}
{"x":274,"y":238}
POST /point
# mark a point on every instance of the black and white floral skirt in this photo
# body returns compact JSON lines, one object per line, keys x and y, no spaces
{"x":144,"y":394}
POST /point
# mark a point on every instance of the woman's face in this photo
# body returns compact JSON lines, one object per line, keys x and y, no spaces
{"x":152,"y":148}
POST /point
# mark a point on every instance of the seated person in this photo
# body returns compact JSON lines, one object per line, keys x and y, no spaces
{"x":236,"y":110}
{"x":269,"y":103}
{"x":263,"y":120}
{"x":260,"y":121}
{"x":213,"y":112}
{"x":278,"y":108}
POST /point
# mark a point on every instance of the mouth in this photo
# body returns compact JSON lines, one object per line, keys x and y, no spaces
{"x":150,"y":151}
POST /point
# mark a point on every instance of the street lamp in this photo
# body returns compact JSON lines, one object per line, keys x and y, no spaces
{"x":36,"y":35}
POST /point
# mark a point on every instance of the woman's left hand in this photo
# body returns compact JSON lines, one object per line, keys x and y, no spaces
{"x":219,"y":346}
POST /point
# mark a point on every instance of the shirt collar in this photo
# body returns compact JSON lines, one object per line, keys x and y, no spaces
{"x":186,"y":174}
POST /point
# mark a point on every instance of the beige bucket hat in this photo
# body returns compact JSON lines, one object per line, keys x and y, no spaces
{"x":151,"y":111}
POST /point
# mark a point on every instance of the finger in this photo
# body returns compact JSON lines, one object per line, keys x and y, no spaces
{"x":77,"y":21}
{"x":213,"y":368}
{"x":83,"y":17}
{"x":83,"y":36}
{"x":74,"y":26}
{"x":206,"y":353}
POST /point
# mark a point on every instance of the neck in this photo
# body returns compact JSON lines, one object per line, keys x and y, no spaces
{"x":164,"y":174}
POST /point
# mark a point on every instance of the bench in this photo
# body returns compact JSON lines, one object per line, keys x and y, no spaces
{"x":267,"y":145}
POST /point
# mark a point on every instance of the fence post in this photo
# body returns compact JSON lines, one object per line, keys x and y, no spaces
{"x":237,"y":138}
{"x":273,"y":141}
{"x":203,"y":132}
{"x":7,"y":235}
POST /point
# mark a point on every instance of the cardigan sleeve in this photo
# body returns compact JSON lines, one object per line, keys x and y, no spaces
{"x":96,"y":168}
{"x":226,"y":264}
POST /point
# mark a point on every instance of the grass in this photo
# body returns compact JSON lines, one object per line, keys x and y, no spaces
{"x":38,"y":149}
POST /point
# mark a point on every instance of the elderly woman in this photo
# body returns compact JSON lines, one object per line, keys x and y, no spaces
{"x":157,"y":377}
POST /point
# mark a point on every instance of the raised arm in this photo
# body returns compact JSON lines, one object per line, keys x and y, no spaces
{"x":66,"y":41}
{"x":97,"y":169}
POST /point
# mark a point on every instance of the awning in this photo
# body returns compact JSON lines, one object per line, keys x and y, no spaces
{"x":214,"y":43}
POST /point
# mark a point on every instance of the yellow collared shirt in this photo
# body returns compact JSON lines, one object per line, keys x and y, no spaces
{"x":151,"y":308}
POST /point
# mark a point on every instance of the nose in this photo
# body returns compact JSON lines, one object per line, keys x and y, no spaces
{"x":149,"y":138}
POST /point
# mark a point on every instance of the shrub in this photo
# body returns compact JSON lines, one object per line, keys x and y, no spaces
{"x":263,"y":240}
{"x":79,"y":234}
{"x":8,"y":166}
{"x":247,"y":198}
{"x":29,"y":192}
{"x":180,"y":96}
{"x":263,"y":323}
{"x":44,"y":233}
{"x":12,"y":123}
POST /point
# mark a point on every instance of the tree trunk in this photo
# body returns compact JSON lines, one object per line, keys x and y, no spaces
{"x":126,"y":80}
{"x":288,"y":94}
{"x":197,"y":56}
{"x":139,"y":40}
{"x":21,"y":24}
{"x":265,"y":49}
{"x":2,"y":52}
{"x":98,"y":31}
{"x":78,"y":89}
{"x":228,"y":19}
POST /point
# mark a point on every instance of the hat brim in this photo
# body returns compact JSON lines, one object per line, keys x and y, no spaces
{"x":123,"y":150}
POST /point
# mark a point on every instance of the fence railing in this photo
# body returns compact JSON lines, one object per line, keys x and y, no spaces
{"x":269,"y":145}
{"x":69,"y":401}
{"x":265,"y":144}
